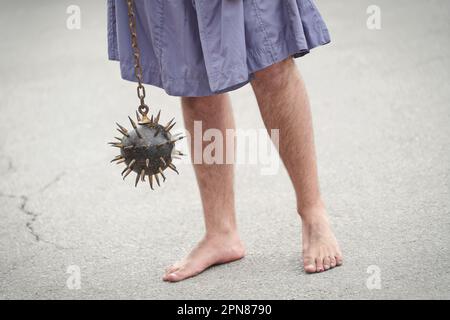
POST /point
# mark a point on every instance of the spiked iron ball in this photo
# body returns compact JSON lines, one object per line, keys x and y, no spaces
{"x":148,"y":149}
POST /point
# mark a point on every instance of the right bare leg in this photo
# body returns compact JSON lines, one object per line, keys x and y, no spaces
{"x":284,"y":105}
{"x":221,"y":242}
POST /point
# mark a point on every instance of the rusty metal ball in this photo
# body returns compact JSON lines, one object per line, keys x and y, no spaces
{"x":148,"y":149}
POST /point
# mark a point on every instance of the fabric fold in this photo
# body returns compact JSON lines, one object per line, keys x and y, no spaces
{"x":205,"y":47}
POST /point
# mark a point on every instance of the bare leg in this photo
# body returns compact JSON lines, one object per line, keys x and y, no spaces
{"x":221,"y":242}
{"x":284,"y":104}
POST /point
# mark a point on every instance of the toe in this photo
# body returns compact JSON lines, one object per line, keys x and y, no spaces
{"x":167,"y":274}
{"x":171,"y":269}
{"x":327,"y":263}
{"x":309,"y":265}
{"x":178,"y":276}
{"x":182,"y":273}
{"x":332,"y":261}
{"x":174,"y":270}
{"x":173,"y":277}
{"x":339,"y":259}
{"x":319,"y":264}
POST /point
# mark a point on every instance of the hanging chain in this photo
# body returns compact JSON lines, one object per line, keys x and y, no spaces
{"x":143,"y":108}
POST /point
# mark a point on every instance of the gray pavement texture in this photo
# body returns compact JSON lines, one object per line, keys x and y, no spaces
{"x":381,"y":112}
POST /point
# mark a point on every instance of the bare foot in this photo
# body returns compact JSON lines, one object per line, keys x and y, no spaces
{"x":320,"y":248}
{"x":211,"y":250}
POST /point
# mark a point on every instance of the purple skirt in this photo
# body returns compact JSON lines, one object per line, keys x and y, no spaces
{"x":205,"y":47}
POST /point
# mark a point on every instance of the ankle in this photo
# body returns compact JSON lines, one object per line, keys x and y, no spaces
{"x":312,"y":211}
{"x":221,"y":233}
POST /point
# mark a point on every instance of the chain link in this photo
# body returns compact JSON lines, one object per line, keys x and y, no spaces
{"x":143,"y":108}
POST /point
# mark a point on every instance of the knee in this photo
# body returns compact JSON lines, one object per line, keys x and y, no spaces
{"x":192,"y":102}
{"x":199,"y":102}
{"x":275,"y":75}
{"x":202,"y":106}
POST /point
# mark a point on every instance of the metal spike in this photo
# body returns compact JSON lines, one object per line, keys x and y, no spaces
{"x":131,"y":163}
{"x":168,"y":124}
{"x":122,"y":128}
{"x":137,"y":179}
{"x":138,"y":134}
{"x":177,"y":134}
{"x":147,"y":162}
{"x":132,"y":123}
{"x":161,"y":144}
{"x":138,"y":117}
{"x":168,"y":129}
{"x":150,"y":181}
{"x":151,"y":119}
{"x":129,"y":166}
{"x":143,"y":175}
{"x":157,"y":117}
{"x":171,"y":166}
{"x":135,"y":127}
{"x":120,"y":139}
{"x":128,"y":147}
{"x":123,"y":132}
{"x":162,"y":160}
{"x":178,"y":152}
{"x":157,"y":179}
{"x":121,"y":161}
{"x":176,"y":139}
{"x":116,"y":158}
{"x":162,"y":174}
{"x":127,"y":173}
{"x":156,"y":133}
{"x":116,"y":144}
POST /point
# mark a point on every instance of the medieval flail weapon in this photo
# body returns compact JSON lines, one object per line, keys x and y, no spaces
{"x":149,"y":148}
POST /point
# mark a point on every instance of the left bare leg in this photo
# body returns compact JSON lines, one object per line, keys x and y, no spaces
{"x":221,"y":243}
{"x":284,"y":105}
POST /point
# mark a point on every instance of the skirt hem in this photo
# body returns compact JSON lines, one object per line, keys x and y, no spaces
{"x":184,"y":86}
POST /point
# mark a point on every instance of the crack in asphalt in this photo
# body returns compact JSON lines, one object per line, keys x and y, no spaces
{"x":9,"y":163}
{"x":52,"y":182}
{"x":32,"y":215}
